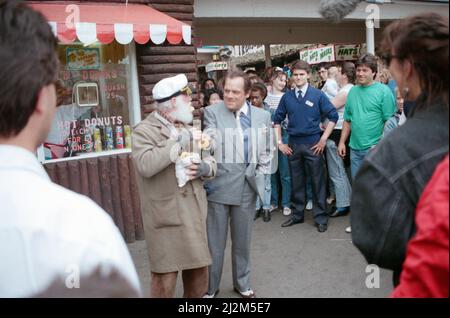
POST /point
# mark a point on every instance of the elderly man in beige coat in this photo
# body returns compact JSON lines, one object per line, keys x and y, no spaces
{"x":174,"y":213}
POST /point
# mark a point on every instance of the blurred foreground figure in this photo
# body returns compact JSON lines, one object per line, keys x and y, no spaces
{"x":393,"y":176}
{"x":425,"y":270}
{"x":53,"y":242}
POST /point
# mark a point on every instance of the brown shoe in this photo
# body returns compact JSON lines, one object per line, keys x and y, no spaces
{"x":247,"y":294}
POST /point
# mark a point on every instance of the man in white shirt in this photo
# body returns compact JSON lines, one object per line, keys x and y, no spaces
{"x":53,"y":242}
{"x":331,"y":86}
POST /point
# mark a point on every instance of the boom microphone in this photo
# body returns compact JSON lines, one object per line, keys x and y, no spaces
{"x":335,"y":10}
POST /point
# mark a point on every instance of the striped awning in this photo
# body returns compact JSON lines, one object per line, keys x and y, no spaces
{"x":104,"y":22}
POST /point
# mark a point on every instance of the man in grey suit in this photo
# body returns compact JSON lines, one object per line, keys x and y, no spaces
{"x":241,"y":139}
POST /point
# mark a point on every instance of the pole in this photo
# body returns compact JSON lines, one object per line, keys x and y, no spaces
{"x":370,"y":36}
{"x":267,"y":55}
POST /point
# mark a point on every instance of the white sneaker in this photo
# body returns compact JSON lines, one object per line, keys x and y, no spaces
{"x":331,"y":199}
{"x":273,"y":208}
{"x":348,"y":229}
{"x":287,"y":211}
{"x":211,"y":296}
{"x":309,"y":205}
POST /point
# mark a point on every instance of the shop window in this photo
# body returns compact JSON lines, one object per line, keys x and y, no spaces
{"x":94,"y":107}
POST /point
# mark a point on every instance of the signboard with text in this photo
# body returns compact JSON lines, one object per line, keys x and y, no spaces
{"x":82,"y":59}
{"x":318,"y":55}
{"x":216,"y":66}
{"x":347,"y":52}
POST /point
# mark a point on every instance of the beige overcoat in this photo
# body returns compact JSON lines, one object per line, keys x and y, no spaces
{"x":174,"y":218}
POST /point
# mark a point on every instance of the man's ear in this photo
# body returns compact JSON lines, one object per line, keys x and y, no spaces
{"x":173,"y":102}
{"x":41,"y":100}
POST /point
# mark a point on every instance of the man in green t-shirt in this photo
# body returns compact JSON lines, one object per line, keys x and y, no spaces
{"x":369,"y":105}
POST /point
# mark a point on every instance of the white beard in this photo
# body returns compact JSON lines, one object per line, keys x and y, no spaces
{"x":182,"y":112}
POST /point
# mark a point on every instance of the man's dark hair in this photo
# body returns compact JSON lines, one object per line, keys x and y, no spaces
{"x":258,"y":87}
{"x":28,"y":62}
{"x":301,"y":65}
{"x":348,"y":68}
{"x":368,"y":60}
{"x":238,"y":73}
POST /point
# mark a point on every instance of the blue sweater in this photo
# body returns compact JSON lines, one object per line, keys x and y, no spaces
{"x":305,"y":115}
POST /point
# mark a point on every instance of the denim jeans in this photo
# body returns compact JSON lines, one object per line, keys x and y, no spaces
{"x":338,"y":175}
{"x":356,"y":159}
{"x":301,"y":159}
{"x":267,"y":190}
{"x":284,"y":175}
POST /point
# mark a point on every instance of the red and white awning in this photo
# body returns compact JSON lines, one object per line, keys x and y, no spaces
{"x":103,"y":22}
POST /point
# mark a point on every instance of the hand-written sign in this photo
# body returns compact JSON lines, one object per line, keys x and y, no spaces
{"x":82,"y":59}
{"x":347,"y":52}
{"x":318,"y":55}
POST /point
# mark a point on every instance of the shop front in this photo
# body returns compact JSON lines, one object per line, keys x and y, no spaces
{"x":102,"y":86}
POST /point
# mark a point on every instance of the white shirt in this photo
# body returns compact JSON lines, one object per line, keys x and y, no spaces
{"x":244,"y":109}
{"x":344,"y":90}
{"x":303,"y":89}
{"x":330,"y":88}
{"x":47,"y":230}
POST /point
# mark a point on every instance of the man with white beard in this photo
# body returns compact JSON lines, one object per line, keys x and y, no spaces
{"x":174,"y":214}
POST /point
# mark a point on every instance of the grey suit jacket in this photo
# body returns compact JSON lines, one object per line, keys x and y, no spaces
{"x":221,"y":125}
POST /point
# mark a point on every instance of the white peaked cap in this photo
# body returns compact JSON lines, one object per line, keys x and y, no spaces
{"x":169,"y":87}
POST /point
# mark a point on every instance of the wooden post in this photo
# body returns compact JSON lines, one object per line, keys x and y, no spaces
{"x":115,"y":190}
{"x":63,"y":174}
{"x":94,"y":181}
{"x":267,"y":55}
{"x":125,"y":199}
{"x":84,"y":178}
{"x":105,"y":184}
{"x":51,"y":171}
{"x":138,"y":224}
{"x":74,"y":173}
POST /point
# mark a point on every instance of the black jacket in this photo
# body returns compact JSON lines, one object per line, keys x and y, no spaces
{"x":390,"y":182}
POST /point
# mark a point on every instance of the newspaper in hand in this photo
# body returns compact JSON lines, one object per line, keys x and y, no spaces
{"x":185,"y":160}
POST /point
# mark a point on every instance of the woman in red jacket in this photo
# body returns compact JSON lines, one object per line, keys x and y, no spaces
{"x":425,"y":270}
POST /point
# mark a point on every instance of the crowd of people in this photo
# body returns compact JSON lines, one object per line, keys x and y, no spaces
{"x":192,"y":195}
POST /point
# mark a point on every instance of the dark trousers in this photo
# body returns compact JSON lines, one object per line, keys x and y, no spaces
{"x":301,"y":158}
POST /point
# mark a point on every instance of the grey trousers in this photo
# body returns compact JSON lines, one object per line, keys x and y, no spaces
{"x":240,"y":218}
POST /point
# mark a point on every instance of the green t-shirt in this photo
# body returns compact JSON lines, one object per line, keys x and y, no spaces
{"x":368,"y":108}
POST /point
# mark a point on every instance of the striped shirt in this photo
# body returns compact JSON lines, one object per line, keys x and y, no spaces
{"x":273,"y":101}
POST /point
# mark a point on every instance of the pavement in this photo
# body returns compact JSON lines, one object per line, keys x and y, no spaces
{"x":294,"y":262}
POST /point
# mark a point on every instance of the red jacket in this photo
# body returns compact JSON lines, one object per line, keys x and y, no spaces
{"x":425,"y":270}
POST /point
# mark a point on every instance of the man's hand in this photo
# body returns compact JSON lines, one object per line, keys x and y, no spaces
{"x":192,"y":170}
{"x":285,"y":149}
{"x":342,"y":151}
{"x":319,"y":147}
{"x":197,"y":170}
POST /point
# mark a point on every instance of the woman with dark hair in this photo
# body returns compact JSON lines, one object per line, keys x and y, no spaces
{"x":208,"y":83}
{"x":213,"y":96}
{"x":392,"y":178}
{"x":276,"y":91}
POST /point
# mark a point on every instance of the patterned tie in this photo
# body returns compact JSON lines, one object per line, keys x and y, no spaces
{"x":245,"y":125}
{"x":300,"y":95}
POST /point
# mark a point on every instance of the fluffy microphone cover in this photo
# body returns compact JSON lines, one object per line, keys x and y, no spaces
{"x":336,"y":10}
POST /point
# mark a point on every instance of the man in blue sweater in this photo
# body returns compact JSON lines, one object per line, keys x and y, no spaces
{"x":306,"y":106}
